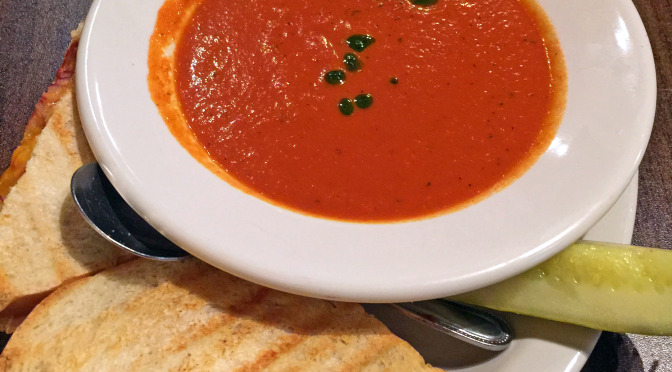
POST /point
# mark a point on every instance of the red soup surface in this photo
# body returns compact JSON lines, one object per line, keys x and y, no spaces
{"x":458,"y":98}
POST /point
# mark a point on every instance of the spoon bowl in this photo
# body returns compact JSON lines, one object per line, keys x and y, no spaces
{"x":107,"y":212}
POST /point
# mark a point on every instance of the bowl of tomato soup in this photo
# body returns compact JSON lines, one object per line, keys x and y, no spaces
{"x":367,"y":151}
{"x":360,"y":111}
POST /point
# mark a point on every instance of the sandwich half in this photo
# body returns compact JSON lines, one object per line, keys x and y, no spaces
{"x":187,"y":316}
{"x":44,"y":242}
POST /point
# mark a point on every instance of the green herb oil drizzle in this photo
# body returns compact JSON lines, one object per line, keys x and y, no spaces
{"x":360,"y":42}
{"x":345,"y":106}
{"x":335,"y":77}
{"x":363,"y":100}
{"x":351,"y":62}
{"x":423,"y":2}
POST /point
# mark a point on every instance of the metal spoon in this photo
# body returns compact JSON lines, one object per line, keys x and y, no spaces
{"x":107,"y":212}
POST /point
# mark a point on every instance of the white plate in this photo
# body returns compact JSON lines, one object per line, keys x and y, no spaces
{"x":540,"y":345}
{"x":598,"y":147}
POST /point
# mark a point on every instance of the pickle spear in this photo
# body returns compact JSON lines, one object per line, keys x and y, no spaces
{"x":611,"y":287}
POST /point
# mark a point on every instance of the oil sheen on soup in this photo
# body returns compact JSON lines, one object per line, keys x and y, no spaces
{"x":360,"y":110}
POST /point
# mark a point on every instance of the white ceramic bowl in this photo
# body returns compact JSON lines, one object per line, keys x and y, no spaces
{"x":606,"y":126}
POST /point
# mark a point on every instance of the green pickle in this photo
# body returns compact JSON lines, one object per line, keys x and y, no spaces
{"x":611,"y":287}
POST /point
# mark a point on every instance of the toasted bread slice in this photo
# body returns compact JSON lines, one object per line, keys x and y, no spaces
{"x":187,"y":316}
{"x":44,"y":242}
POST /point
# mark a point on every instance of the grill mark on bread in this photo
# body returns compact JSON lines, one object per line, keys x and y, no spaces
{"x":328,"y":349}
{"x":283,"y":345}
{"x":147,"y":315}
{"x":277,"y":311}
{"x":375,"y":347}
{"x":227,"y":329}
{"x":178,"y":353}
{"x":214,"y":324}
{"x":331,"y":331}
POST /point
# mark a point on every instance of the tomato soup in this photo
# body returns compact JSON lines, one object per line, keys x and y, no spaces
{"x":360,"y":110}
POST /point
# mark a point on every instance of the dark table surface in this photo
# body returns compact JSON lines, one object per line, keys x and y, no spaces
{"x":35,"y":33}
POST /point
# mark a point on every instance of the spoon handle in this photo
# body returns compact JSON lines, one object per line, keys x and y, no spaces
{"x":464,"y":322}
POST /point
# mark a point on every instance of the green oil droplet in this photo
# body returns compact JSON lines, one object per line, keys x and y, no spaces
{"x":335,"y":77}
{"x":363,"y":100}
{"x":360,"y":42}
{"x":345,"y":106}
{"x":423,"y":2}
{"x":351,"y":62}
